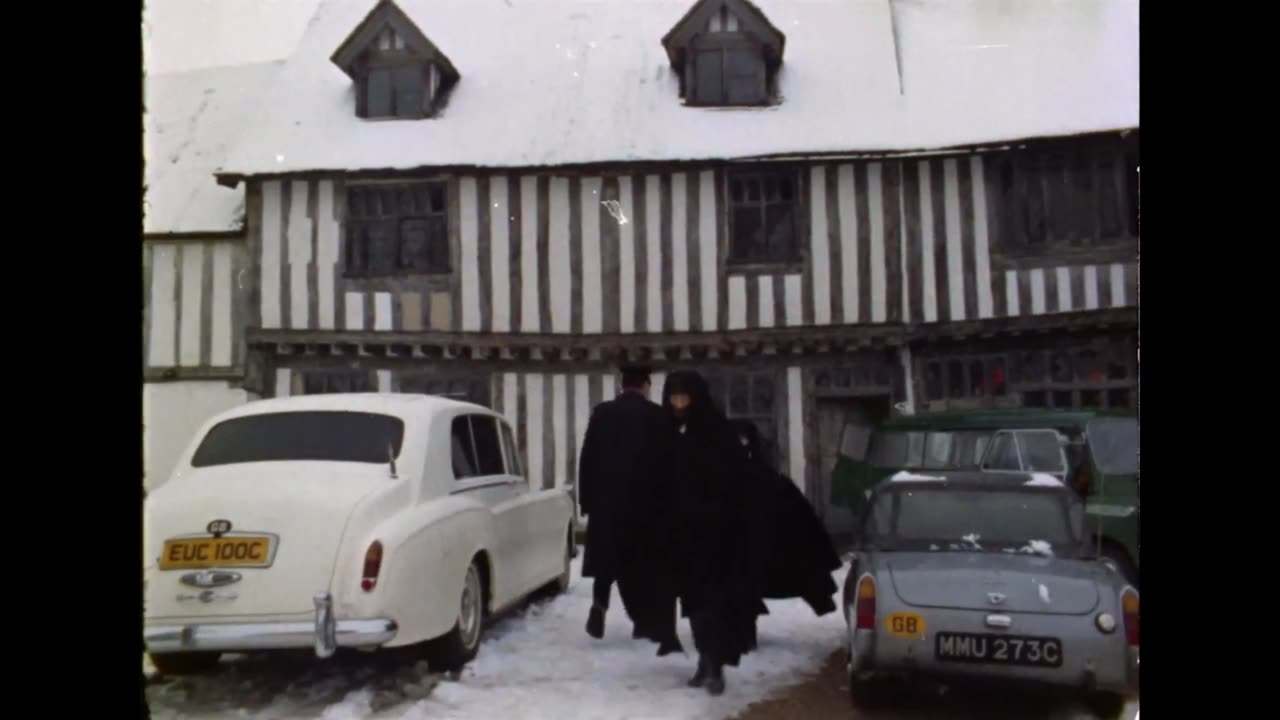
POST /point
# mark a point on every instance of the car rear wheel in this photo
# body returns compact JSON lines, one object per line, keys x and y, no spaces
{"x":191,"y":663}
{"x":1115,"y":556}
{"x":454,"y":650}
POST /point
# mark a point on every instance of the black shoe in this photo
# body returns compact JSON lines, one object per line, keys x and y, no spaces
{"x":595,"y":623}
{"x":715,"y":680}
{"x":699,"y":677}
{"x":666,"y":647}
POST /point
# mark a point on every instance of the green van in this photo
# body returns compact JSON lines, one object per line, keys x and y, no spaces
{"x":1093,"y":451}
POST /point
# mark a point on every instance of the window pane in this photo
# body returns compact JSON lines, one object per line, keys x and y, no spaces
{"x":998,"y":386}
{"x":744,"y":76}
{"x":1036,"y":399}
{"x":408,"y":84}
{"x":1060,"y":367}
{"x":383,"y":248}
{"x":1031,"y":368}
{"x":484,"y":430}
{"x":933,"y":381}
{"x":355,"y":202}
{"x":437,"y":245}
{"x":378,"y":99}
{"x":514,"y":464}
{"x":338,"y":436}
{"x":437,"y":197}
{"x":937,"y":450}
{"x":977,"y":379}
{"x":708,"y":84}
{"x":413,"y":244}
{"x":1041,"y":452}
{"x":888,"y":449}
{"x":464,"y":459}
{"x":781,"y":231}
{"x":357,"y":248}
{"x":955,"y":379}
{"x":915,"y":449}
{"x":1002,"y":454}
{"x":748,"y":233}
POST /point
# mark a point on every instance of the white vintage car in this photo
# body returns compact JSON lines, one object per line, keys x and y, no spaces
{"x":360,"y":520}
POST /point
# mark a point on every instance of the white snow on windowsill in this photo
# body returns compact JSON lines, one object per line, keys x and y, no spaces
{"x":912,"y":477}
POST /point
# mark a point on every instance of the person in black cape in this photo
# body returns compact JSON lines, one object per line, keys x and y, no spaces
{"x":800,"y":556}
{"x":715,"y":516}
{"x":624,"y":460}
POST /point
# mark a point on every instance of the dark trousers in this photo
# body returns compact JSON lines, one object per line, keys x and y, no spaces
{"x":708,"y":629}
{"x":600,"y":590}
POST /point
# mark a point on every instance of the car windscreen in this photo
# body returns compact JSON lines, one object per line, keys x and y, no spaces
{"x":319,"y":435}
{"x":1114,"y":445}
{"x":974,"y":518}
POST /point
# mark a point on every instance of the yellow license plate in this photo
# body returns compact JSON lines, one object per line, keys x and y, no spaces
{"x":905,"y":625}
{"x":226,"y":551}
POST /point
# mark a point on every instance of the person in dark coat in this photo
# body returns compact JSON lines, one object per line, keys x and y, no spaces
{"x":715,"y":518}
{"x":800,"y":556}
{"x":624,"y":459}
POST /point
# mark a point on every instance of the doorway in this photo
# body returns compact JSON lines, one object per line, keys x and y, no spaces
{"x":860,"y":414}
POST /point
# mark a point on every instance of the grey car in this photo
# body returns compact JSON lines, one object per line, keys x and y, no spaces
{"x":974,"y":579}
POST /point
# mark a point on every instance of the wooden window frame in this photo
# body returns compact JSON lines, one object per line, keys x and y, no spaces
{"x":398,"y":219}
{"x":1064,"y":203}
{"x":722,"y":42}
{"x":410,"y":382}
{"x":326,"y":378}
{"x":794,"y":256}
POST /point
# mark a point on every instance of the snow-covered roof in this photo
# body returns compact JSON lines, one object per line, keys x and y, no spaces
{"x":554,"y":82}
{"x":191,"y":119}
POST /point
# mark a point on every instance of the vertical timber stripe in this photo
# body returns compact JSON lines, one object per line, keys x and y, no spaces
{"x":941,"y":274}
{"x":892,"y":211}
{"x":1037,"y":292}
{"x":981,"y":239}
{"x":1025,"y":293}
{"x":270,"y":263}
{"x":529,"y":296}
{"x":484,"y":252}
{"x":629,"y":256}
{"x":821,"y":249}
{"x":570,"y":475}
{"x":514,"y":253}
{"x":1117,"y":285}
{"x":164,"y":311}
{"x":534,"y":430}
{"x":1077,"y":287}
{"x":766,"y":300}
{"x":326,"y":256}
{"x":557,"y":279}
{"x":667,"y":217}
{"x":737,"y":302}
{"x":468,"y":232}
{"x":192,"y":299}
{"x":500,"y":253}
{"x":912,"y":218}
{"x":590,"y":268}
{"x":610,"y":283}
{"x":220,"y":352}
{"x":794,"y":302}
{"x":968,"y":263}
{"x":300,"y":257}
{"x":780,"y":314}
{"x":795,"y":426}
{"x":574,"y":254}
{"x":546,"y":292}
{"x":522,"y":428}
{"x":651,"y":198}
{"x":715,"y":237}
{"x":693,"y":274}
{"x":1050,"y":290}
{"x":581,"y":415}
{"x":955,"y":242}
{"x":865,"y":269}
{"x":677,"y":241}
{"x":875,"y":203}
{"x":560,"y":425}
{"x":549,"y":448}
{"x":708,"y":268}
{"x":1064,"y":289}
{"x":835,"y":257}
{"x":850,"y":221}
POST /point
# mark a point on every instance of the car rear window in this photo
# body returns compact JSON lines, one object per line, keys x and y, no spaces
{"x":975,"y":518}
{"x":322,"y":435}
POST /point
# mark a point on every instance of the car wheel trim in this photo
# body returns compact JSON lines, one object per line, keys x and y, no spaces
{"x":469,"y":614}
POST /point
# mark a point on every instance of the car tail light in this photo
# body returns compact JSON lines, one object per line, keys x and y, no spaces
{"x":865,"y":609}
{"x":372,"y":564}
{"x":1129,"y":603}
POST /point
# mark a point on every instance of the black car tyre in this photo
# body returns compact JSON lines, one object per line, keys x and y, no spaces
{"x":1107,"y":706}
{"x":457,"y":648}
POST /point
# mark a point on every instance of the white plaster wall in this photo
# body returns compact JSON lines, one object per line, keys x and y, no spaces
{"x":172,"y":412}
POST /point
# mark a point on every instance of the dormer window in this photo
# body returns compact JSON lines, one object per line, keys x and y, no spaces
{"x":398,"y":72}
{"x":726,"y":53}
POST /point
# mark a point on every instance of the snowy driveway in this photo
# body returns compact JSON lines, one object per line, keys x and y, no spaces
{"x":539,"y":663}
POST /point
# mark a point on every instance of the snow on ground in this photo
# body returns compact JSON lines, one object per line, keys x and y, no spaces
{"x":537,"y":664}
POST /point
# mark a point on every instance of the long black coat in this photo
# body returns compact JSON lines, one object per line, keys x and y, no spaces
{"x":800,"y":556}
{"x":717,"y":509}
{"x":624,"y":455}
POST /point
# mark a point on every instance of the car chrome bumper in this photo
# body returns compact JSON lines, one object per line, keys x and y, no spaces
{"x":325,"y":634}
